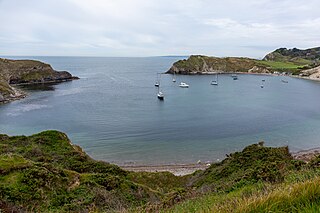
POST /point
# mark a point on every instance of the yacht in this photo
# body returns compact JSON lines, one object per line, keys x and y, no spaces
{"x":183,"y":85}
{"x":160,"y":96}
{"x":215,"y":81}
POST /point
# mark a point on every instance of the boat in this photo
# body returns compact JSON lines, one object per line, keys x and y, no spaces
{"x":284,"y":81}
{"x":261,"y":86}
{"x":157,"y":84}
{"x":263,"y":80}
{"x":215,"y":81}
{"x":174,"y":79}
{"x":160,"y":96}
{"x":234,"y":77}
{"x":183,"y":85}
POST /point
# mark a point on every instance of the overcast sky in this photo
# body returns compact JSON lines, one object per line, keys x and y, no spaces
{"x":156,"y":27}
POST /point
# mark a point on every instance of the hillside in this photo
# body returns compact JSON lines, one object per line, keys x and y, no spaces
{"x":46,"y":172}
{"x":281,"y":60}
{"x":297,"y":56}
{"x":13,"y":72}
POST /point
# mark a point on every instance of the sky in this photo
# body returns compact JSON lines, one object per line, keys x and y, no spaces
{"x":246,"y":28}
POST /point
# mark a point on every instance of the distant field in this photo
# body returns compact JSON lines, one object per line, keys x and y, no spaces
{"x":277,"y":65}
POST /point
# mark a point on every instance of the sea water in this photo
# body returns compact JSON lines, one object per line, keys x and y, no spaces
{"x":113,"y":112}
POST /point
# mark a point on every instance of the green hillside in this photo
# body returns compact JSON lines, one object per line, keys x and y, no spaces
{"x":46,"y":173}
{"x":281,"y":60}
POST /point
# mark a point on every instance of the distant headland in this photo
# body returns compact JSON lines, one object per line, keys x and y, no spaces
{"x":303,"y":63}
{"x":17,"y":72}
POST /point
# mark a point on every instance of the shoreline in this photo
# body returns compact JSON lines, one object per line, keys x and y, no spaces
{"x":176,"y":169}
{"x":186,"y":169}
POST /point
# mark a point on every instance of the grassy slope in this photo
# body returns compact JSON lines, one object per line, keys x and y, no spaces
{"x":234,"y":64}
{"x":293,"y":186}
{"x":44,"y":172}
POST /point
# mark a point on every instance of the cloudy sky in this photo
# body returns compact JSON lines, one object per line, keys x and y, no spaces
{"x":156,"y":27}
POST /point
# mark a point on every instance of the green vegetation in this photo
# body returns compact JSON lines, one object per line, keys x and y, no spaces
{"x":281,"y":66}
{"x":25,"y":72}
{"x":281,"y":60}
{"x":45,"y":172}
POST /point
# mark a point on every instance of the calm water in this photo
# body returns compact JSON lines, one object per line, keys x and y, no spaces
{"x":114,"y":115}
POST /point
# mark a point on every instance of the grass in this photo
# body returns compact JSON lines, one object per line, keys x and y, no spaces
{"x":45,"y":172}
{"x":282,"y":66}
{"x":302,"y":196}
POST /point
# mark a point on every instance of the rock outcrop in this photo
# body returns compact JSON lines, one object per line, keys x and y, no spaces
{"x":313,"y":73}
{"x":15,"y":72}
{"x":197,"y":64}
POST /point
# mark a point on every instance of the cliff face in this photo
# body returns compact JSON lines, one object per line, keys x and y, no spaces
{"x":26,"y":72}
{"x":197,"y":64}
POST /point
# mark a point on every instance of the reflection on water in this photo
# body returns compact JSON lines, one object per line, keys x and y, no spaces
{"x":38,"y":87}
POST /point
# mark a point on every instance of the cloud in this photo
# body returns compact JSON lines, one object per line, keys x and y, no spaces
{"x":151,"y":27}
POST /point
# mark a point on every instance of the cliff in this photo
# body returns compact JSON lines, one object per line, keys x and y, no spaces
{"x":13,"y":72}
{"x":198,"y":64}
{"x":281,"y":60}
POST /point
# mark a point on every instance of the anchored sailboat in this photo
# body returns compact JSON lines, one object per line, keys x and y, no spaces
{"x":157,"y":84}
{"x":160,"y":94}
{"x":215,"y":81}
{"x":234,"y":76}
{"x":174,"y":77}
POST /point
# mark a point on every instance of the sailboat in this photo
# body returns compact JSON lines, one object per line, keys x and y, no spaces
{"x":234,"y":76}
{"x":157,"y":84}
{"x":215,"y":82}
{"x":160,"y":96}
{"x":174,"y":77}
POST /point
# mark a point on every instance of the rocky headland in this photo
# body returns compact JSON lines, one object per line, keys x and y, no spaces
{"x":17,"y":72}
{"x":291,"y":61}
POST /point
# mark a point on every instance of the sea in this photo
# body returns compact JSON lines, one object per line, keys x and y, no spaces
{"x":114,"y":114}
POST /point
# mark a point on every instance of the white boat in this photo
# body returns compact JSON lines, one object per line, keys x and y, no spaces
{"x":174,"y":77}
{"x":215,"y":81}
{"x":157,"y":84}
{"x":183,"y":85}
{"x":235,"y":77}
{"x":160,"y":96}
{"x":261,"y":86}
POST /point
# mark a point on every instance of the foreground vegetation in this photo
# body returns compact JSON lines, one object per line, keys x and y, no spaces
{"x":45,"y":172}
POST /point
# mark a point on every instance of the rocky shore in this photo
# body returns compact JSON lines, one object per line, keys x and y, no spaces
{"x":22,"y":72}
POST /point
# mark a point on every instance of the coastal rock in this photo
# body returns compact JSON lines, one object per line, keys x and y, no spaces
{"x":313,"y":73}
{"x":259,"y":69}
{"x":198,"y":64}
{"x":13,"y":72}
